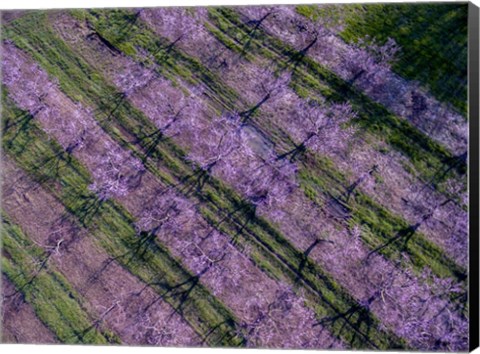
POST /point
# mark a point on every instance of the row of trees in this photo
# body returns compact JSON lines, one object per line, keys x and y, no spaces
{"x":367,"y":63}
{"x":423,"y":309}
{"x":270,"y":314}
{"x":114,"y":170}
{"x":227,"y":150}
{"x":28,"y":85}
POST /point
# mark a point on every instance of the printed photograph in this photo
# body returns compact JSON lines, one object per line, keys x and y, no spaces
{"x":277,"y":176}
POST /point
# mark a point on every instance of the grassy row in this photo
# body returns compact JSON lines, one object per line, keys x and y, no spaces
{"x":112,"y":227}
{"x":274,"y":250}
{"x":53,"y":299}
{"x":380,"y":225}
{"x":124,"y":30}
{"x":309,"y":78}
{"x":432,"y":37}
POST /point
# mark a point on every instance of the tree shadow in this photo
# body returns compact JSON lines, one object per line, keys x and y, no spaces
{"x":92,"y":279}
{"x":171,"y":46}
{"x":337,"y":208}
{"x":297,"y":57}
{"x":457,"y":163}
{"x":150,"y":143}
{"x":144,"y":242}
{"x":229,"y":323}
{"x":196,"y":181}
{"x":404,"y":234}
{"x":111,"y":104}
{"x":251,"y":35}
{"x":350,"y":189}
{"x":304,"y":258}
{"x":249,"y":212}
{"x":90,"y":206}
{"x":29,"y":282}
{"x":246,"y":115}
{"x":96,"y":35}
{"x":363,"y":318}
{"x":130,"y":21}
{"x":163,"y":52}
{"x":81,"y":335}
{"x":95,"y":326}
{"x":23,"y":122}
{"x":49,"y":168}
{"x":179,"y":293}
{"x":292,"y":154}
{"x":357,"y":76}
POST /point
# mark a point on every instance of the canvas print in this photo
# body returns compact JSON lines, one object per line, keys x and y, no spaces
{"x":289,"y":177}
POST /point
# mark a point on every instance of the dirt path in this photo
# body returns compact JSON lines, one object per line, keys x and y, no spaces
{"x":103,"y":283}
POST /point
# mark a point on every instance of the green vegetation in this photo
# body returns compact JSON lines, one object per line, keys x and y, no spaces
{"x":310,"y":78}
{"x":53,"y":299}
{"x":317,"y":173}
{"x":382,"y":225}
{"x":112,"y":227}
{"x":232,"y":215}
{"x":432,"y":37}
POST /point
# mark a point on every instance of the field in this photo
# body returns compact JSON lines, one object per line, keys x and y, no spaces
{"x":268,"y":177}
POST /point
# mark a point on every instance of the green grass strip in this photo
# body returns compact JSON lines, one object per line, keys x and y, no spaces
{"x":53,"y":299}
{"x":382,"y":225}
{"x":432,"y":38}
